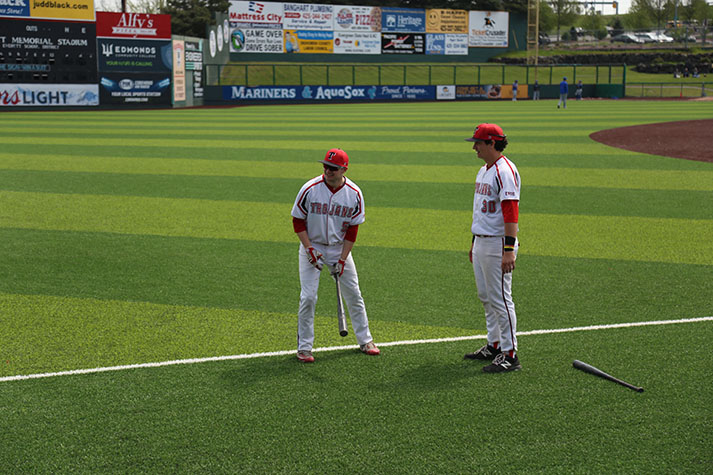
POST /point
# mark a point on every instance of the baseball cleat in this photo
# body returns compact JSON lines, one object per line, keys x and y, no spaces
{"x":503,"y":363}
{"x":370,"y":349}
{"x":305,"y":356}
{"x":486,"y":353}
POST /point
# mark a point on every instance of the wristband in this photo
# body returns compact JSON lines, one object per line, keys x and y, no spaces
{"x":510,"y":241}
{"x":508,"y":249}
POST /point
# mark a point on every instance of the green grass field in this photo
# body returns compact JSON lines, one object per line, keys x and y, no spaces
{"x":132,"y":237}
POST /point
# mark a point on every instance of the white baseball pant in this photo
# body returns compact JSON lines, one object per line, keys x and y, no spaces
{"x":309,"y":280}
{"x":494,"y":291}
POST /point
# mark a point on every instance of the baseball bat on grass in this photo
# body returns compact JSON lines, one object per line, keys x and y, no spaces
{"x":587,"y":368}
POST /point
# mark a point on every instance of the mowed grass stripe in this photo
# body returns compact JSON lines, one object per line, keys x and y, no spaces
{"x":532,"y":176}
{"x":40,"y":332}
{"x":613,"y":237}
{"x":321,"y":146}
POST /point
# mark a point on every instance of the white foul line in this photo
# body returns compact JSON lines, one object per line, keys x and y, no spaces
{"x":346,"y":347}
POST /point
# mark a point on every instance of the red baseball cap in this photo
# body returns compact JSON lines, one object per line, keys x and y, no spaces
{"x":336,"y":157}
{"x":487,"y":132}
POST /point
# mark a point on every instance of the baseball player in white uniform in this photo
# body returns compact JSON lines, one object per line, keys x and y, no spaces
{"x":494,"y":247}
{"x":326,"y":217}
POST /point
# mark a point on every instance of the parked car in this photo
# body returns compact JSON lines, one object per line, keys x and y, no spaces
{"x":627,"y":38}
{"x":647,"y":37}
{"x":662,"y":37}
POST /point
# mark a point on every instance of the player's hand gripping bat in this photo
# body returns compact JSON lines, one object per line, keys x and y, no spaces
{"x":580,"y":365}
{"x":340,"y":308}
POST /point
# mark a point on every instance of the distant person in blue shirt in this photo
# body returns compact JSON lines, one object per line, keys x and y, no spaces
{"x":579,"y":90}
{"x":536,"y":91}
{"x":514,"y":90}
{"x":564,"y":89}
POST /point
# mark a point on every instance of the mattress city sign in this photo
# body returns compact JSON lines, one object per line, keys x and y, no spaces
{"x":133,"y":25}
{"x":255,"y":12}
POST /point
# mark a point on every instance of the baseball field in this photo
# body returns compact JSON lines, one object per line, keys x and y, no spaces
{"x":165,"y":237}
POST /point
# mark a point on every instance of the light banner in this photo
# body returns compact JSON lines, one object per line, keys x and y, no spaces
{"x":446,"y":21}
{"x":133,"y":26}
{"x":307,"y":16}
{"x":299,"y":41}
{"x":488,"y":29}
{"x":355,"y":18}
{"x":357,"y":42}
{"x":255,"y":12}
{"x":411,"y":20}
{"x":19,"y":95}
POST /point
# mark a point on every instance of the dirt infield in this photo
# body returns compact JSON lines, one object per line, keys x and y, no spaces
{"x":689,"y":139}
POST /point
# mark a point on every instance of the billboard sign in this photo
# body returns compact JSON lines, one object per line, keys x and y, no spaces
{"x":179,"y":71}
{"x":256,"y":40}
{"x":301,"y":41}
{"x":75,"y":10}
{"x":44,"y":95}
{"x":403,"y":43}
{"x":307,"y":16}
{"x":255,"y":12}
{"x":446,"y":21}
{"x":133,"y":26}
{"x":134,"y":55}
{"x":356,"y":18}
{"x":403,"y":20}
{"x":488,"y":29}
{"x":357,"y":42}
{"x":135,"y":88}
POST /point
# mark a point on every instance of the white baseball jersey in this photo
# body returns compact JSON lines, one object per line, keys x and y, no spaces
{"x":493,"y":185}
{"x":329,"y":214}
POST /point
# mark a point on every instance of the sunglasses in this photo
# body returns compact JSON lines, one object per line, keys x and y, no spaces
{"x":330,"y":168}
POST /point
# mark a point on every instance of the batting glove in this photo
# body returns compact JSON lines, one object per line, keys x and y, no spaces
{"x":339,"y":267}
{"x":313,"y":256}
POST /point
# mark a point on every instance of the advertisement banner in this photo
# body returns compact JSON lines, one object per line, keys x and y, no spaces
{"x":457,"y":44}
{"x":300,"y":41}
{"x":132,"y":88}
{"x":435,"y":43}
{"x":479,"y":92}
{"x":355,"y":18}
{"x":19,"y":95}
{"x":410,"y":20}
{"x":357,"y":43}
{"x":328,"y":93}
{"x":445,"y":93}
{"x":446,"y":21}
{"x":255,"y":12}
{"x":403,"y":43}
{"x":134,"y":55}
{"x":194,"y":55}
{"x":15,"y":8}
{"x":47,"y":52}
{"x":256,"y":40}
{"x":79,"y":10}
{"x":133,"y":26}
{"x":307,"y":16}
{"x":179,"y":71}
{"x":488,"y":29}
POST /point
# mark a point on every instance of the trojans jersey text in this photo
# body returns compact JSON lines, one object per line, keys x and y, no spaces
{"x":329,"y":214}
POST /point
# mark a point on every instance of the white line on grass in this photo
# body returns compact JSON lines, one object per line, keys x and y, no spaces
{"x":345,"y":347}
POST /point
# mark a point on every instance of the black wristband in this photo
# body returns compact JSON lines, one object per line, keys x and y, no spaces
{"x":510,"y":240}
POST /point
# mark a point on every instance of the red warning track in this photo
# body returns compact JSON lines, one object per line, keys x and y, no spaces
{"x":689,"y":139}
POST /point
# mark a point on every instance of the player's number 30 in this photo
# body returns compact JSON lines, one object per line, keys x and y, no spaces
{"x":488,"y":207}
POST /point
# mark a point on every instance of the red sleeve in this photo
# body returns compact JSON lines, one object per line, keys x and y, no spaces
{"x":510,"y":210}
{"x":352,"y":233}
{"x":299,"y":224}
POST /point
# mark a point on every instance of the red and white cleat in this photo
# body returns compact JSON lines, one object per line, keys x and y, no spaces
{"x":305,"y":356}
{"x":370,"y":349}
